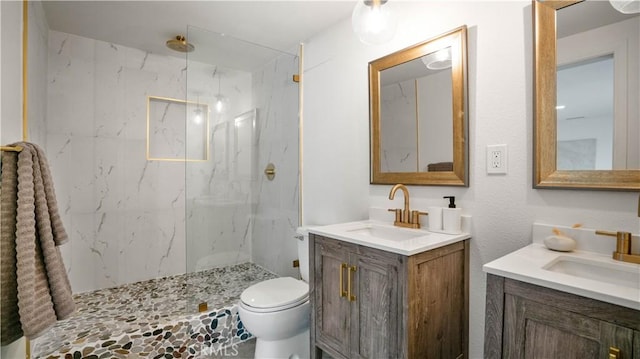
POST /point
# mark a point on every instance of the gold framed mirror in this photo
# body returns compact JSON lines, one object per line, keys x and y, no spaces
{"x":575,"y":162}
{"x":418,"y":113}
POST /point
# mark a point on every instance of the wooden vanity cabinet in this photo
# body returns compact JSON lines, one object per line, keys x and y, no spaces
{"x":528,"y":321}
{"x":370,"y":303}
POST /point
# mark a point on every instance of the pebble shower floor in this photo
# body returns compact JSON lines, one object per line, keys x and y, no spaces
{"x":157,"y":318}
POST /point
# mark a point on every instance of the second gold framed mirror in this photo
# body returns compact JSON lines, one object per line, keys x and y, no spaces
{"x":574,"y":146}
{"x":418,"y":113}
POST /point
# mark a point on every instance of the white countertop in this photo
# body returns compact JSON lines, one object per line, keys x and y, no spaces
{"x":527,"y":265}
{"x":423,"y":241}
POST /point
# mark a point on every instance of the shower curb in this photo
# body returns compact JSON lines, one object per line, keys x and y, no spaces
{"x":201,"y":335}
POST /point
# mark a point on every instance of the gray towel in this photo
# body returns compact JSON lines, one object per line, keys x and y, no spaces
{"x":43,"y":289}
{"x":9,"y":318}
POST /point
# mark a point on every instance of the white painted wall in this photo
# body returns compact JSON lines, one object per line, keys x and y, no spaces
{"x":11,"y":90}
{"x":336,"y":136}
{"x":11,"y":115}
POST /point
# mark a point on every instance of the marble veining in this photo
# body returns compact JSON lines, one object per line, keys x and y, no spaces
{"x":155,"y":317}
{"x":131,"y":219}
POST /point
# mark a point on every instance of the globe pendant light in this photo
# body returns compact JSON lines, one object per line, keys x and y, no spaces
{"x":221,"y":102}
{"x":626,"y":6}
{"x":373,"y":22}
{"x":197,"y":117}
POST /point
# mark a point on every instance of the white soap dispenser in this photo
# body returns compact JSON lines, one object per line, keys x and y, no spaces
{"x":451,"y":221}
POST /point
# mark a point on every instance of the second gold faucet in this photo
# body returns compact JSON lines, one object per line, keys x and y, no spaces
{"x":405,"y":217}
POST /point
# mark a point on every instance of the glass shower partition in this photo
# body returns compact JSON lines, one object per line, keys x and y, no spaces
{"x":239,"y":224}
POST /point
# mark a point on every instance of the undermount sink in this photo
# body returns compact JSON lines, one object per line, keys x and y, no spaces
{"x":622,"y":274}
{"x":386,"y":232}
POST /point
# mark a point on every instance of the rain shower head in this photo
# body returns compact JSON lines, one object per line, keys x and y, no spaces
{"x":180,"y":44}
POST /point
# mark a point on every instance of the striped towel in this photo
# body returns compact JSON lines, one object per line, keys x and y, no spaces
{"x":40,"y":289}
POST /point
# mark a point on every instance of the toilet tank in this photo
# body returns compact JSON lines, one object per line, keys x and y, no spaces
{"x":302,"y":236}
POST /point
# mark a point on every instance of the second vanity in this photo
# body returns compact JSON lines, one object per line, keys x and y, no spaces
{"x":547,"y":304}
{"x":379,"y":291}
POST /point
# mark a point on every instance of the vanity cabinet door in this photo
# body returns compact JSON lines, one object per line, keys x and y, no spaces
{"x":535,"y":330}
{"x":388,"y":305}
{"x":331,"y":309}
{"x":376,"y":309}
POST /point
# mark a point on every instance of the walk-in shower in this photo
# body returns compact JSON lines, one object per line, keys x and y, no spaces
{"x":169,"y":221}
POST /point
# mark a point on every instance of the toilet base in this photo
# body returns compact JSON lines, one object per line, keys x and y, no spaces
{"x":296,"y":347}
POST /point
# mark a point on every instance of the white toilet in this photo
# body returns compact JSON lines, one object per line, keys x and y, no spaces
{"x":277,"y":312}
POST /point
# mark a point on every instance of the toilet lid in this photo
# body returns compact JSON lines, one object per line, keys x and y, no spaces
{"x":276,"y":292}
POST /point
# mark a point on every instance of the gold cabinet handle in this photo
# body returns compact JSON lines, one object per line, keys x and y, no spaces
{"x":343,"y":293}
{"x":614,"y":353}
{"x":352,"y":297}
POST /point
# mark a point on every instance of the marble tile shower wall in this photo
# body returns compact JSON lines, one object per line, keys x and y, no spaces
{"x":125,"y":215}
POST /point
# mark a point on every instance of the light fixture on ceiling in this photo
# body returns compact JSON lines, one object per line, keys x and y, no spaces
{"x":626,"y":6}
{"x":221,"y":101}
{"x":373,"y":22}
{"x":438,"y":60}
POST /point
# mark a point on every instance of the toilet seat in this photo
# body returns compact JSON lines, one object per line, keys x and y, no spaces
{"x":275,"y":295}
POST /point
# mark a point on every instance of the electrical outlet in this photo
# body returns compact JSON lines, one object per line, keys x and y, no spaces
{"x":497,"y":159}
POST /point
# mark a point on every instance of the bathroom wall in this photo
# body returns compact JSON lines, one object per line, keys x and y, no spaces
{"x":11,"y":89}
{"x":10,"y":130}
{"x":37,"y":64}
{"x":11,"y":71}
{"x":336,"y":136}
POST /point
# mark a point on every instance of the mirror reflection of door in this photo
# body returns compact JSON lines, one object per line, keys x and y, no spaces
{"x":598,"y":72}
{"x":416,"y":111}
{"x":585,"y":115}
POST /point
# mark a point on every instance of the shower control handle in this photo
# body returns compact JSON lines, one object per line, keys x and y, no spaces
{"x":270,"y":171}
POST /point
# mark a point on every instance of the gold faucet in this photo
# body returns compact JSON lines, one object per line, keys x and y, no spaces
{"x":623,"y":246}
{"x":405,"y":217}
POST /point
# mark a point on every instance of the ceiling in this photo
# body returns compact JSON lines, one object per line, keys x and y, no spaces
{"x":147,"y":25}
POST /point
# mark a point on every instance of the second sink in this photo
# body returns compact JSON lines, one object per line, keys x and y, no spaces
{"x":622,"y":274}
